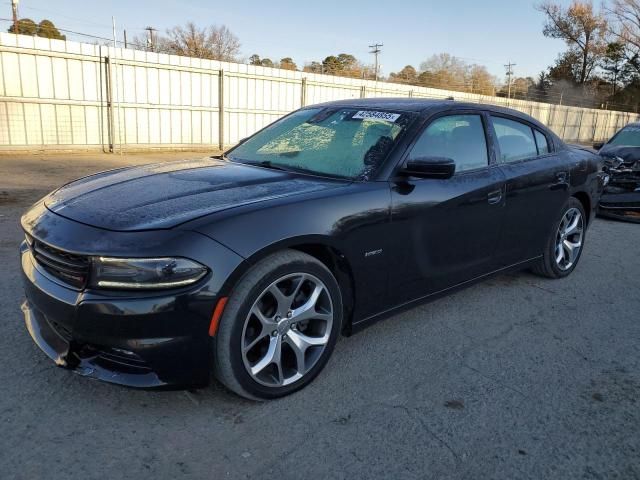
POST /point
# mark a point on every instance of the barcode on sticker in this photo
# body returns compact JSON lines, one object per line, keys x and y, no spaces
{"x":369,"y":114}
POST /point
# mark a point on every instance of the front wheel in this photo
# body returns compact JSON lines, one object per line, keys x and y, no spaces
{"x":565,"y":243}
{"x":279,"y":326}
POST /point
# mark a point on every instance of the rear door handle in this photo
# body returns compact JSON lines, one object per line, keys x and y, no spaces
{"x":494,"y":197}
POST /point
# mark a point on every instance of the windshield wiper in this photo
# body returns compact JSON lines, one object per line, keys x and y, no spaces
{"x":289,"y":168}
{"x":274,"y":166}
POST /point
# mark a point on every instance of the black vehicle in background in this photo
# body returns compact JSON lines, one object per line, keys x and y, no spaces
{"x":621,"y":154}
{"x":250,"y":265}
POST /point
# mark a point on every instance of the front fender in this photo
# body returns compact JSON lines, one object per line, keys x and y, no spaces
{"x":353,"y":221}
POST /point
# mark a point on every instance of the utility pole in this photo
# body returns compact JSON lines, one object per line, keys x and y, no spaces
{"x":376,"y":51}
{"x":150,"y":41}
{"x":509,"y":66}
{"x":14,"y":8}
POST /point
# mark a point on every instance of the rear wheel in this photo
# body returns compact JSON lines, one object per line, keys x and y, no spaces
{"x":565,"y":243}
{"x":279,"y":327}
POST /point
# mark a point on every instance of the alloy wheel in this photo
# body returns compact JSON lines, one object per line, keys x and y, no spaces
{"x":569,"y":239}
{"x":287,"y":329}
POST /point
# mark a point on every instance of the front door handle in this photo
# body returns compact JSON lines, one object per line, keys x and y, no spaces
{"x":494,"y":197}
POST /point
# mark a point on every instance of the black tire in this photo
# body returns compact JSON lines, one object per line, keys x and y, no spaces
{"x":547,"y":267}
{"x":228,"y":361}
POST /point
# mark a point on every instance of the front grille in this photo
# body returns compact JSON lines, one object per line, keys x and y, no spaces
{"x":70,"y":268}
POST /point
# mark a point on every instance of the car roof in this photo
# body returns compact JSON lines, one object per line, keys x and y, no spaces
{"x":414,"y":104}
{"x":423,"y":105}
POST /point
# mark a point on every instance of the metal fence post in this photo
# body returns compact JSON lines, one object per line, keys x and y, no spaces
{"x":110,"y":122}
{"x":564,"y":127}
{"x":221,"y":109}
{"x":303,"y":93}
{"x":580,"y":124}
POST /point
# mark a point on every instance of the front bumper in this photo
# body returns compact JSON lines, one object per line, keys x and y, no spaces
{"x":154,"y":339}
{"x":145,"y":342}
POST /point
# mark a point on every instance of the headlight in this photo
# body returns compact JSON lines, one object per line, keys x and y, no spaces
{"x":145,"y":273}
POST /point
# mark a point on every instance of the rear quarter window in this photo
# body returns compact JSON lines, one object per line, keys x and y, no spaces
{"x":542,"y":142}
{"x":515,"y":139}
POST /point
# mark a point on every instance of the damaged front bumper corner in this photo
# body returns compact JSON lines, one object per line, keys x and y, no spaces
{"x":83,"y":360}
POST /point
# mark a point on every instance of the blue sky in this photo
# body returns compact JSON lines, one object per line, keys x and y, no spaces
{"x":489,"y":32}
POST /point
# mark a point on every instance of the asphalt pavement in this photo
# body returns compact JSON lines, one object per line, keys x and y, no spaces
{"x":515,"y":377}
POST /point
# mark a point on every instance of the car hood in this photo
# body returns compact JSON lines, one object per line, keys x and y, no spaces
{"x":628,"y":154}
{"x":167,"y":194}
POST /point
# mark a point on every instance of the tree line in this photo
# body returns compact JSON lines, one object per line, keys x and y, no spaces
{"x":45,"y":29}
{"x":600,"y":66}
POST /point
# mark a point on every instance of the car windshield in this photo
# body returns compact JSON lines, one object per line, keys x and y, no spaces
{"x":339,"y":142}
{"x":629,"y":136}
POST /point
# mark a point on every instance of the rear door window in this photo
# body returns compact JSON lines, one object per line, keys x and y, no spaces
{"x":515,"y":140}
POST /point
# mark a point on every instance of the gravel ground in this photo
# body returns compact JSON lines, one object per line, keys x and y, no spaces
{"x":516,"y":377}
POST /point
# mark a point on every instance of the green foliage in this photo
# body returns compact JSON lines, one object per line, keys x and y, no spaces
{"x":345,"y":65}
{"x":26,"y":26}
{"x":615,"y":67}
{"x":567,"y":68}
{"x":47,"y":29}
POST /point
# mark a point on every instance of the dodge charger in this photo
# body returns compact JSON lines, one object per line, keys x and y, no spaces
{"x":248,"y":266}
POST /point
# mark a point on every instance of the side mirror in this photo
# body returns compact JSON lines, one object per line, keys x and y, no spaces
{"x":430,"y":167}
{"x":598,"y":145}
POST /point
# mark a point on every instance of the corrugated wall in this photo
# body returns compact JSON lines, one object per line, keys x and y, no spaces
{"x":67,"y":95}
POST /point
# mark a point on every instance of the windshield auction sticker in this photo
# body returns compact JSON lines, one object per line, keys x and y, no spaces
{"x":371,"y":115}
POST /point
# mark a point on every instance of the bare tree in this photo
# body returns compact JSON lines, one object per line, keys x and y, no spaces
{"x":213,"y":43}
{"x":625,"y":27}
{"x":581,"y":28}
{"x":446,"y":71}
